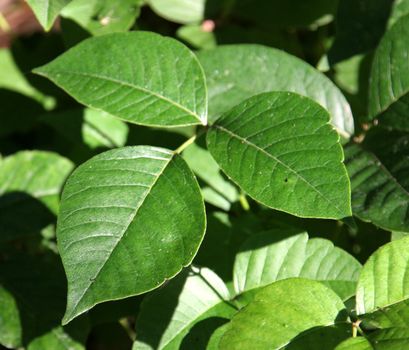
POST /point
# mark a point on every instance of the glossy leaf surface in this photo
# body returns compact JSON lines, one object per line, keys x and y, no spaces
{"x":279,"y":148}
{"x":130,"y":218}
{"x":139,"y":77}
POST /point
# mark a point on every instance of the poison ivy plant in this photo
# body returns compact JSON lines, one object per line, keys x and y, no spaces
{"x":246,"y":196}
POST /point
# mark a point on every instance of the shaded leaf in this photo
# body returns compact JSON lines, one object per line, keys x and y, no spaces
{"x":279,"y":148}
{"x":144,"y":86}
{"x":169,"y":314}
{"x":377,"y":195}
{"x":360,"y":25}
{"x":237,"y":72}
{"x":30,"y":313}
{"x":389,"y":83}
{"x":117,"y":203}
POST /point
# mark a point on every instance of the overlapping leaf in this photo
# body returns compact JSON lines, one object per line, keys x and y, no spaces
{"x":378,"y":195}
{"x":389,"y":84}
{"x":276,"y":255}
{"x":179,"y":11}
{"x":237,"y":72}
{"x":129,"y":219}
{"x":140,"y":77}
{"x":47,"y":11}
{"x":168,"y":315}
{"x":103,"y":16}
{"x":279,"y":148}
{"x":282,"y":311}
{"x":383,"y":284}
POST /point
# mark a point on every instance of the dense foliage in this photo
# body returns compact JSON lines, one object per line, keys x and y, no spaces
{"x":201,"y":174}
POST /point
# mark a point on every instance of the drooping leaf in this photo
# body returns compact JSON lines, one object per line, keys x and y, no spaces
{"x":47,"y":11}
{"x":195,"y":36}
{"x":103,"y":16}
{"x":155,"y":80}
{"x":278,"y":254}
{"x":382,"y":282}
{"x":237,"y":72}
{"x":377,"y":195}
{"x":389,"y":84}
{"x":279,"y":148}
{"x":169,"y":314}
{"x":360,"y":25}
{"x":273,"y":319}
{"x":129,"y":219}
{"x":32,"y":296}
{"x":179,"y":11}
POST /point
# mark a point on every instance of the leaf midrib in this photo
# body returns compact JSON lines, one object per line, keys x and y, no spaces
{"x":129,"y":85}
{"x":244,"y":140}
{"x":132,"y":217}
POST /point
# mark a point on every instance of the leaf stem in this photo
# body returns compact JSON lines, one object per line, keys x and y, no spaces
{"x":186,"y":144}
{"x":355,"y":328}
{"x":243,"y":201}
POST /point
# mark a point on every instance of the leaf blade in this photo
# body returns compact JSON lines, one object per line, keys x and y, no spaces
{"x":118,"y":212}
{"x":147,"y":90}
{"x":258,"y":129}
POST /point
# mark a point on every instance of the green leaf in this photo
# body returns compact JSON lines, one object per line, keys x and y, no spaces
{"x":94,"y":128}
{"x":179,"y":11}
{"x":237,"y":72}
{"x":279,"y":254}
{"x":400,"y":8}
{"x":358,"y":343}
{"x":195,"y":36}
{"x":37,"y":173}
{"x":32,"y":296}
{"x":389,"y":84}
{"x":129,"y":219}
{"x":285,"y":13}
{"x":360,"y":25}
{"x":396,"y":315}
{"x":30,"y":187}
{"x":206,"y":169}
{"x":47,"y":11}
{"x":390,"y":339}
{"x":279,"y":148}
{"x":155,"y":80}
{"x":383,"y":281}
{"x":12,"y":78}
{"x":103,"y":16}
{"x":214,"y":341}
{"x":169,"y":314}
{"x":282,"y":311}
{"x":377,"y":195}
